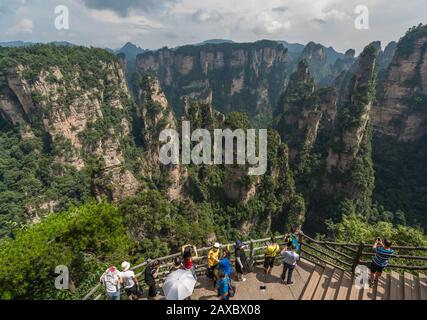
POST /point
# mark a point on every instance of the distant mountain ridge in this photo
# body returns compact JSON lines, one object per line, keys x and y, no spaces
{"x":17,"y":44}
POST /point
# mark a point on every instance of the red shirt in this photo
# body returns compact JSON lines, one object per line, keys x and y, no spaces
{"x":188,"y":263}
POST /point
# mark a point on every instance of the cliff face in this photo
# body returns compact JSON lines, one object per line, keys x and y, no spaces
{"x":254,"y":203}
{"x":325,"y":64}
{"x":349,"y":172}
{"x":82,"y":115}
{"x":153,"y":115}
{"x":400,"y":129}
{"x":315,"y":55}
{"x":231,"y":76}
{"x":303,"y":111}
{"x":400,"y":111}
{"x":330,"y":143}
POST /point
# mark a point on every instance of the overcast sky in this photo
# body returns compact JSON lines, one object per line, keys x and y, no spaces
{"x":153,"y":24}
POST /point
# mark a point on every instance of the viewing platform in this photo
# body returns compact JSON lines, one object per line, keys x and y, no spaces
{"x":326,"y":271}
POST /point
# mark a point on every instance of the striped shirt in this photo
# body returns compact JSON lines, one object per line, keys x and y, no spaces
{"x":381,"y":256}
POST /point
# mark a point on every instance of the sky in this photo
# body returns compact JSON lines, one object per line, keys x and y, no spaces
{"x":153,"y":24}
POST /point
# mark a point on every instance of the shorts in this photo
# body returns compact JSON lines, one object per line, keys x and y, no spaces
{"x":269,"y":262}
{"x":132,"y":291}
{"x":376,"y":268}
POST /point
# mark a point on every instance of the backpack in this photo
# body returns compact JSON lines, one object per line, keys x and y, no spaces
{"x":272,"y":251}
{"x":295,"y":242}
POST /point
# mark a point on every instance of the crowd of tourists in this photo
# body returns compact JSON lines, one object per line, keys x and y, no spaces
{"x":223,"y":272}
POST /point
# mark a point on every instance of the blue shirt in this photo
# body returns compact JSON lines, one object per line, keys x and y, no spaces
{"x":381,"y":256}
{"x":223,"y":288}
{"x":225,"y":266}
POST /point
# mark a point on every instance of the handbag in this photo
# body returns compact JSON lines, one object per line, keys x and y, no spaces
{"x":139,"y":291}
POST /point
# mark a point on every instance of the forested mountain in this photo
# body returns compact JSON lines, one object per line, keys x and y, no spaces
{"x":81,"y":183}
{"x":243,"y":77}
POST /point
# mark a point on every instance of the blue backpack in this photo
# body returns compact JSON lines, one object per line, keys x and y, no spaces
{"x":295,"y":242}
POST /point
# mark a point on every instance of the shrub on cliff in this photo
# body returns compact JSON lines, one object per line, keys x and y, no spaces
{"x":83,"y":239}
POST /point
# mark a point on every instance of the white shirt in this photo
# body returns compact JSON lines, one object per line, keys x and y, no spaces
{"x":290,"y":257}
{"x":127,"y":277}
{"x":111,"y":281}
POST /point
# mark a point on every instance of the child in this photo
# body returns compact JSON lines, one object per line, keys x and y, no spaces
{"x":223,"y":286}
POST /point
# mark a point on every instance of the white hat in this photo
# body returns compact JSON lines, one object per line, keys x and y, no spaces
{"x":125,"y":266}
{"x":217,"y":245}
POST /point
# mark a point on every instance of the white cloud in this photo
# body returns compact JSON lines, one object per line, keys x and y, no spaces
{"x":203,"y":16}
{"x":133,"y":21}
{"x":156,"y":23}
{"x":266,"y":24}
{"x":334,"y":15}
{"x":23,"y":26}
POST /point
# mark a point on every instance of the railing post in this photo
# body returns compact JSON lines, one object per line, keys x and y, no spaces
{"x":300,"y":236}
{"x":251,"y":253}
{"x":356,"y":260}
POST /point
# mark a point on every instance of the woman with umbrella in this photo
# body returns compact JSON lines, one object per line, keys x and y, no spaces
{"x":179,"y":285}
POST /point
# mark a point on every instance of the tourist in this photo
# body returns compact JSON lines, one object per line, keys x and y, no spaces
{"x":130,"y":283}
{"x":292,"y":238}
{"x":223,"y":286}
{"x":273,"y":249}
{"x":213,"y":262}
{"x":150,"y":276}
{"x":290,"y":258}
{"x":177,"y":264}
{"x":111,"y":280}
{"x":190,"y":256}
{"x":225,"y":263}
{"x":383,"y":252}
{"x":242,"y":265}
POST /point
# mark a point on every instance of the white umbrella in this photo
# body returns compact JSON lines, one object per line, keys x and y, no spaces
{"x":179,"y":285}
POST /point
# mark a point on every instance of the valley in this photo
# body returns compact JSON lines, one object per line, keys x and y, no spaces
{"x":81,"y":181}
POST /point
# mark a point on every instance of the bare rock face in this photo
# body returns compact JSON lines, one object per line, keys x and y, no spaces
{"x":303,"y":111}
{"x":401,"y":109}
{"x":316,"y":55}
{"x":154,"y":110}
{"x":238,"y":186}
{"x":233,"y":77}
{"x":349,"y":172}
{"x":325,"y":64}
{"x":156,"y":115}
{"x":356,"y":113}
{"x":68,"y":113}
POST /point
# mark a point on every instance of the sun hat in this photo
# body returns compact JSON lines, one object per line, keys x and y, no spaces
{"x":217,"y":245}
{"x":125,"y":266}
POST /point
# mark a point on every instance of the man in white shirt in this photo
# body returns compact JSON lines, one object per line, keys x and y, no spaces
{"x":290,"y":258}
{"x":111,"y":280}
{"x":130,"y":282}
